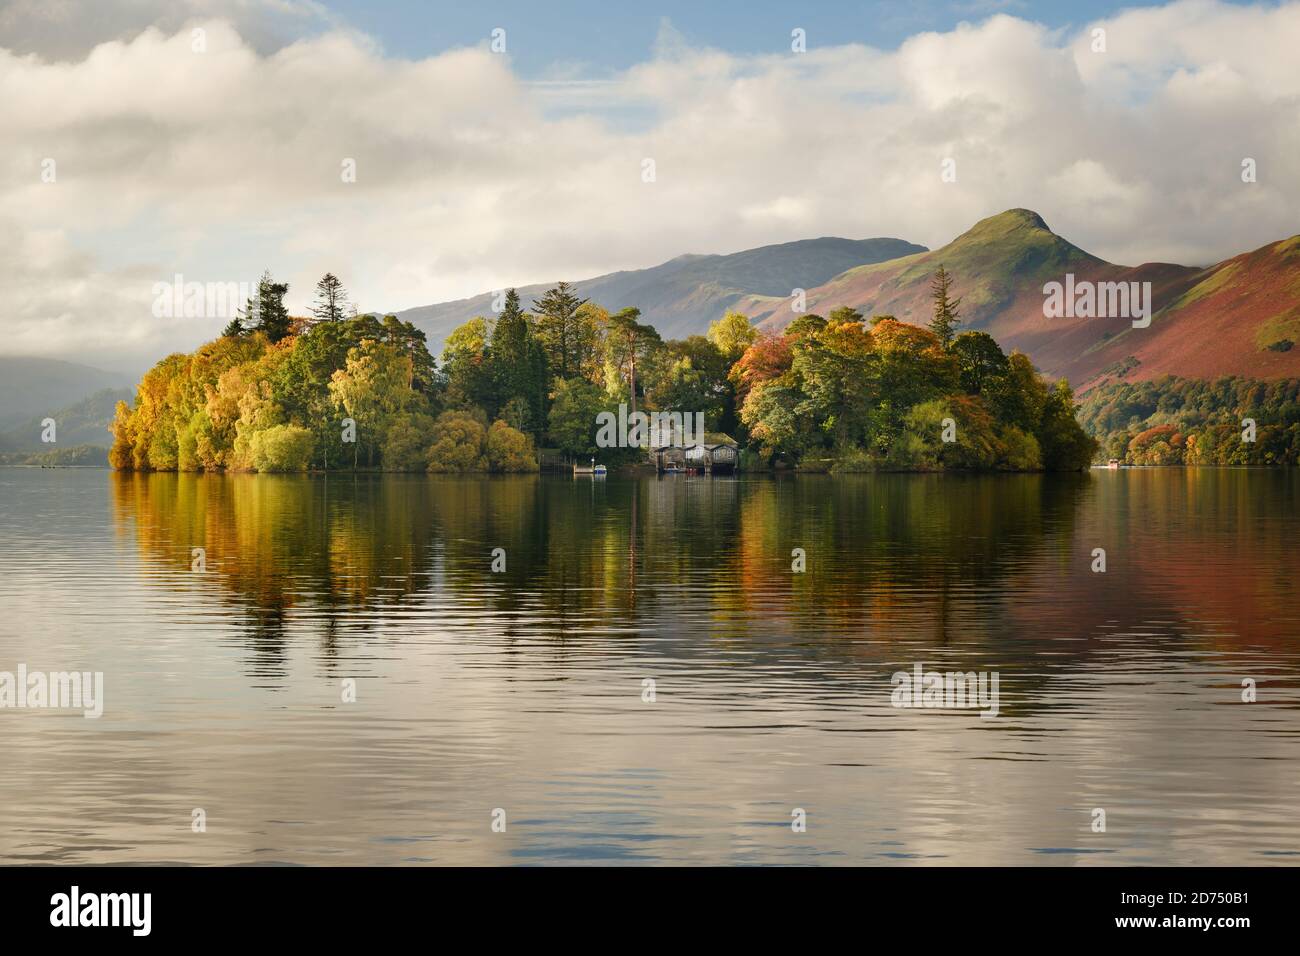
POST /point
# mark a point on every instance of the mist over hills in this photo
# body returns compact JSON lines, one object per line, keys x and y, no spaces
{"x":84,"y":422}
{"x":34,"y":388}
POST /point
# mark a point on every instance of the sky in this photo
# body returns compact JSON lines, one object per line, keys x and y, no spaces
{"x":505,"y":144}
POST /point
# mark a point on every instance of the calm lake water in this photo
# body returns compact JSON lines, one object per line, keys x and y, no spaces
{"x":523,"y":690}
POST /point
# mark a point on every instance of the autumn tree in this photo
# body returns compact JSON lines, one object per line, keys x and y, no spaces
{"x":465,"y":367}
{"x":732,"y":334}
{"x":372,"y":388}
{"x":768,"y":357}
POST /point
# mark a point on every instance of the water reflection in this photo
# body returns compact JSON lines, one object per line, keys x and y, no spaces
{"x":628,"y":552}
{"x":524,"y":689}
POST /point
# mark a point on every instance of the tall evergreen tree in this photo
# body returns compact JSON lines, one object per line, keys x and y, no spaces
{"x":560,"y":328}
{"x":517,"y":363}
{"x":247,"y":317}
{"x":273,"y":317}
{"x":331,"y":299}
{"x":946,"y":317}
{"x":233,"y":329}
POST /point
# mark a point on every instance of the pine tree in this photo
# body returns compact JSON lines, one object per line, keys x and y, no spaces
{"x":234,"y":329}
{"x":517,"y":364}
{"x":331,"y":299}
{"x":248,"y":317}
{"x":559,"y":327}
{"x":273,"y":317}
{"x":946,"y":317}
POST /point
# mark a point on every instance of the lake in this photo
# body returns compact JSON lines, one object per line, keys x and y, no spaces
{"x":522,"y":697}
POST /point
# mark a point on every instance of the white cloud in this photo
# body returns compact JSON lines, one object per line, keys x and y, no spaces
{"x":218,"y":164}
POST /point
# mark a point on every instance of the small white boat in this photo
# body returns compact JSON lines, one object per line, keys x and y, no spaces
{"x":599,"y":471}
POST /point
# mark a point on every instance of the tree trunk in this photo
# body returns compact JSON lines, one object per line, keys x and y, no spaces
{"x":632,"y":377}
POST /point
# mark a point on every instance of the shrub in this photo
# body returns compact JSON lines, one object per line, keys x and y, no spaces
{"x":509,"y":449}
{"x":1020,"y":451}
{"x":854,"y":460}
{"x":458,"y":440}
{"x":404,"y":446}
{"x":281,"y":448}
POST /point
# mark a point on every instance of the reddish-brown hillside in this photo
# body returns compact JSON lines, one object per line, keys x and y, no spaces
{"x":1240,"y":317}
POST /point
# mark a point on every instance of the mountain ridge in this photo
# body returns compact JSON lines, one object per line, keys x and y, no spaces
{"x":682,"y":295}
{"x":34,"y":387}
{"x":1240,"y":316}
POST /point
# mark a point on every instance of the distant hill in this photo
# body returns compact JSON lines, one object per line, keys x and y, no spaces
{"x":1239,"y":317}
{"x":682,"y":296}
{"x":82,"y":423}
{"x":39,"y":387}
{"x":75,"y":456}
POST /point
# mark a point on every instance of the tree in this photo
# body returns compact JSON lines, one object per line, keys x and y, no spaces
{"x":768,"y":358}
{"x":574,"y":407}
{"x":1064,"y":445}
{"x":331,"y":299}
{"x":240,"y":402}
{"x":458,"y":439}
{"x":410,"y":341}
{"x":373,"y":388}
{"x":273,"y":317}
{"x":845,"y":314}
{"x":692,"y":377}
{"x":946,"y":317}
{"x":983,"y":364}
{"x":247,"y":317}
{"x":592,"y":323}
{"x":233,"y":329}
{"x":565,"y":337}
{"x":509,"y":450}
{"x":629,"y":341}
{"x":769,"y":414}
{"x":517,"y":365}
{"x":835,"y":366}
{"x":406,"y":442}
{"x":732,"y":335}
{"x":465,"y":366}
{"x":281,"y":448}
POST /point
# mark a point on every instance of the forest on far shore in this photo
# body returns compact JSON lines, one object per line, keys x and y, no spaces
{"x":1183,"y":421}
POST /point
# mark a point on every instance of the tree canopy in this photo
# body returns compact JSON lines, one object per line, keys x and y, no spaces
{"x":275,"y":393}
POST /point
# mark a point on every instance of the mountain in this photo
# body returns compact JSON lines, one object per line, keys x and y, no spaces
{"x":82,"y":423}
{"x":39,"y":387}
{"x":682,"y":296}
{"x":1239,"y":317}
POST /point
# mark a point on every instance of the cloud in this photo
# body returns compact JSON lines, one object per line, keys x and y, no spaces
{"x":221,"y":163}
{"x":69,"y":29}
